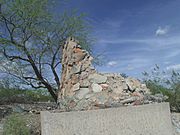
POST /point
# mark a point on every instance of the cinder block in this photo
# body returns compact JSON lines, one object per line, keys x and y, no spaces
{"x":151,"y":119}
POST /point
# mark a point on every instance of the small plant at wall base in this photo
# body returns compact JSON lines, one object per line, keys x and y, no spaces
{"x":15,"y":125}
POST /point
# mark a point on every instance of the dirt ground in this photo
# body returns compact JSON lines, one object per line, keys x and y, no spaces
{"x":31,"y":112}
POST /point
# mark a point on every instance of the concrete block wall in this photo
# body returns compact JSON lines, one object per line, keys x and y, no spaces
{"x":151,"y":119}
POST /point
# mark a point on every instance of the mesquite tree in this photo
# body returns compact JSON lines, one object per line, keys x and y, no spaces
{"x":31,"y":39}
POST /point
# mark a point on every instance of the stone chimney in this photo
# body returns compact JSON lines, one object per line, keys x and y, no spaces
{"x":76,"y":66}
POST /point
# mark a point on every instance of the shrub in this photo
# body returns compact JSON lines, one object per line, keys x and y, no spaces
{"x":166,"y":83}
{"x":15,"y":125}
{"x":23,"y":96}
{"x":172,"y":93}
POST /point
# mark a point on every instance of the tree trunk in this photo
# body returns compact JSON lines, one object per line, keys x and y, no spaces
{"x":40,"y":77}
{"x":51,"y":91}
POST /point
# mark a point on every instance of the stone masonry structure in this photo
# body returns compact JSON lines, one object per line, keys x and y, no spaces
{"x":83,"y":88}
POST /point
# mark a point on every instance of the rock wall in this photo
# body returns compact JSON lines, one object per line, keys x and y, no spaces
{"x":83,"y":88}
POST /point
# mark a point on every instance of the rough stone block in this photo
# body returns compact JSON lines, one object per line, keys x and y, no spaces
{"x":152,"y":119}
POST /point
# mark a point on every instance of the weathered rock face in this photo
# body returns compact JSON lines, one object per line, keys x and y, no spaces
{"x":76,"y":68}
{"x":82,"y":87}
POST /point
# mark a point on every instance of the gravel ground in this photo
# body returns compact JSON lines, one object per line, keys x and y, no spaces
{"x":176,"y":122}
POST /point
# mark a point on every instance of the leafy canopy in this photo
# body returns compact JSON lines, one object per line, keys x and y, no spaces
{"x":32,"y":37}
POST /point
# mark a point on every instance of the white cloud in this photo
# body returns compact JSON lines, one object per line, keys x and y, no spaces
{"x":162,"y":31}
{"x":167,"y":62}
{"x":112,"y":63}
{"x":159,"y":42}
{"x":172,"y":54}
{"x":130,"y":67}
{"x":173,"y":67}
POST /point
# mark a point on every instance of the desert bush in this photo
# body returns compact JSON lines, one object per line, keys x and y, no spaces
{"x":23,"y":96}
{"x":16,"y":125}
{"x":166,"y":83}
{"x":172,"y":94}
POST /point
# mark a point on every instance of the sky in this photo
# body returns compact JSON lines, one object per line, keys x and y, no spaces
{"x":134,"y":35}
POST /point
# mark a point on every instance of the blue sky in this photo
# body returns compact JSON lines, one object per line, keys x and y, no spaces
{"x":134,"y":35}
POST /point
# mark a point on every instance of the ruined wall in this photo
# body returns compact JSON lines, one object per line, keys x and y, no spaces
{"x":76,"y":67}
{"x":83,"y":88}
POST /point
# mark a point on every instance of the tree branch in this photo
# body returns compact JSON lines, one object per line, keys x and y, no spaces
{"x":11,"y":58}
{"x":57,"y":64}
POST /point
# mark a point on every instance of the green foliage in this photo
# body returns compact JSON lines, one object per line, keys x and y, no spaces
{"x":16,"y":125}
{"x":166,"y":83}
{"x":176,"y":97}
{"x":156,"y":88}
{"x":23,"y":96}
{"x":173,"y":94}
{"x":159,"y":89}
{"x":39,"y":95}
